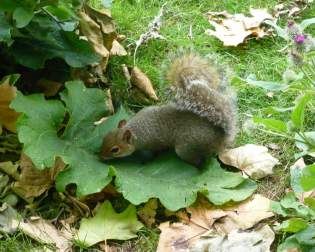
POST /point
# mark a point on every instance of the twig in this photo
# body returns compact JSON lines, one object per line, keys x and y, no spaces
{"x":153,"y":32}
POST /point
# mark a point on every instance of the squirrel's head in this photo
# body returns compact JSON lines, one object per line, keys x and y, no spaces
{"x":117,"y":143}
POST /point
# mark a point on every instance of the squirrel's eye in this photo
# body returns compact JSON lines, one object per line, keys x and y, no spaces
{"x":115,"y":149}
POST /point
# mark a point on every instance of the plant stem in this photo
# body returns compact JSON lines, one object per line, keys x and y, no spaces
{"x":52,"y":17}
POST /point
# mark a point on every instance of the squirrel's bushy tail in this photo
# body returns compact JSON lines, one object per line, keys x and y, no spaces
{"x":199,"y":89}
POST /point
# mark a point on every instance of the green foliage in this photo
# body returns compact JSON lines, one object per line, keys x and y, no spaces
{"x":303,"y":237}
{"x":297,"y":115}
{"x":290,"y":207}
{"x":39,"y":131}
{"x":303,"y":240}
{"x":168,"y":178}
{"x":177,"y":183}
{"x":272,"y":124}
{"x":293,"y":225}
{"x":36,"y":31}
{"x":308,"y":178}
{"x":107,"y":224}
{"x":268,"y":85}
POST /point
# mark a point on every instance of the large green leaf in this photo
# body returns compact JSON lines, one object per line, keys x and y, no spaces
{"x":23,"y":11}
{"x":297,"y":115}
{"x":177,"y":183}
{"x":38,"y":130}
{"x":308,"y":178}
{"x":173,"y":181}
{"x":268,"y":85}
{"x":107,"y":224}
{"x":67,"y":45}
{"x":272,"y":124}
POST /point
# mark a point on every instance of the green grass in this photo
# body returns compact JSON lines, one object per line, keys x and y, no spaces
{"x":259,"y":57}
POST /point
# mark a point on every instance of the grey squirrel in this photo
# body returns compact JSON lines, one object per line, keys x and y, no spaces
{"x":198,"y":121}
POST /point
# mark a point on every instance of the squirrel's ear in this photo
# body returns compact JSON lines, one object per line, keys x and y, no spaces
{"x":127,"y":136}
{"x":122,"y":123}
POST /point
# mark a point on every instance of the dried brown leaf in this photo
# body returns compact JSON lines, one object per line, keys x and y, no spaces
{"x":36,"y":227}
{"x":43,"y":231}
{"x":7,"y":115}
{"x":241,"y":216}
{"x":143,"y":83}
{"x":259,"y":239}
{"x":34,"y":182}
{"x":92,"y":31}
{"x":178,"y":236}
{"x":252,"y":159}
{"x":233,"y":30}
{"x":117,"y":49}
{"x":209,"y":222}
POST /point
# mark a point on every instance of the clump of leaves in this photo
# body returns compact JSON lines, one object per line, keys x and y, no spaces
{"x":35,"y":31}
{"x":47,"y":134}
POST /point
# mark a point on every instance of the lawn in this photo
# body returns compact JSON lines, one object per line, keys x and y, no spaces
{"x":263,"y":58}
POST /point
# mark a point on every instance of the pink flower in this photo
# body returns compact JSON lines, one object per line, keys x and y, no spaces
{"x":300,"y":38}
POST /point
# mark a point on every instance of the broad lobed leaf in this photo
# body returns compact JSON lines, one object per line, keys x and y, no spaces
{"x":174,"y":182}
{"x":177,"y":183}
{"x":38,"y":131}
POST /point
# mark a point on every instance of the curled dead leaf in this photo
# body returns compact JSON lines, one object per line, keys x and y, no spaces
{"x":92,"y":31}
{"x":143,"y":83}
{"x":252,"y":159}
{"x":233,"y":30}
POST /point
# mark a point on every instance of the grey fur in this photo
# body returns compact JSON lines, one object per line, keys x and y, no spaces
{"x":199,"y":120}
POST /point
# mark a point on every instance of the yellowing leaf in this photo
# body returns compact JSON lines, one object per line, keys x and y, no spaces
{"x":253,"y":159}
{"x":7,"y":115}
{"x":233,"y":30}
{"x":141,"y":81}
{"x":107,"y":224}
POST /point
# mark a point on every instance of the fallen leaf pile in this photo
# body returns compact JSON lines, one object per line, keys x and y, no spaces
{"x":235,"y":29}
{"x":218,"y":229}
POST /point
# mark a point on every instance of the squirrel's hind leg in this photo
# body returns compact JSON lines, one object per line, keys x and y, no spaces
{"x":186,"y":153}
